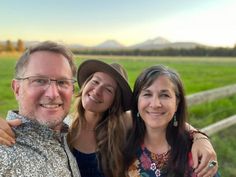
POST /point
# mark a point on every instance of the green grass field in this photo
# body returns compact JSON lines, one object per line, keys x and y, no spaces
{"x":198,"y":74}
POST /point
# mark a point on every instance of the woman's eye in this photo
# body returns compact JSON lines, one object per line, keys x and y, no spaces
{"x":108,"y":90}
{"x":164,"y":95}
{"x":94,"y":82}
{"x":146,"y":94}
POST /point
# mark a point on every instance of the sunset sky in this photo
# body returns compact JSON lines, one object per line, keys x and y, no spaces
{"x":90,"y":22}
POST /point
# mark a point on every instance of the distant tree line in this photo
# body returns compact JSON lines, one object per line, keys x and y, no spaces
{"x":19,"y":46}
{"x":9,"y":46}
{"x":198,"y":51}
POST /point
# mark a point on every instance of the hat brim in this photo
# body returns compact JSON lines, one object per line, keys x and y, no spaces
{"x":89,"y":67}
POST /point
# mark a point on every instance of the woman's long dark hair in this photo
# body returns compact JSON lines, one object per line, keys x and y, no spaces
{"x":177,"y":137}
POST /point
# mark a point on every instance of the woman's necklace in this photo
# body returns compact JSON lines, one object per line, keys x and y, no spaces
{"x":158,"y":162}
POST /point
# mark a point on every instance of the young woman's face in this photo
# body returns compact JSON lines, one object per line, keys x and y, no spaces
{"x":99,"y":93}
{"x":157,"y":103}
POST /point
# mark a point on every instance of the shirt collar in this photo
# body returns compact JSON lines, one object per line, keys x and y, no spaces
{"x":13,"y":114}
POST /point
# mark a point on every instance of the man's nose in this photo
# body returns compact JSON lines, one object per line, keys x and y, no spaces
{"x":52,"y":90}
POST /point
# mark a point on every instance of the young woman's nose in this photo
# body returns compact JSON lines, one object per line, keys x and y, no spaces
{"x":98,"y":90}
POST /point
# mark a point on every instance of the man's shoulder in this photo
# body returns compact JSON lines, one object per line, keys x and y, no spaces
{"x":6,"y":149}
{"x":7,"y":155}
{"x":17,"y":152}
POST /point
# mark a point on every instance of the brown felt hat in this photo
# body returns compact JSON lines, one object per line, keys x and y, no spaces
{"x":116,"y":71}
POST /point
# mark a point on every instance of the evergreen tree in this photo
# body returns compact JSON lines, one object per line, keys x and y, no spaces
{"x":9,"y":46}
{"x":1,"y":47}
{"x":20,"y":45}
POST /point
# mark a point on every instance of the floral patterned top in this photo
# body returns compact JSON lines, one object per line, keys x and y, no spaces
{"x":149,"y":164}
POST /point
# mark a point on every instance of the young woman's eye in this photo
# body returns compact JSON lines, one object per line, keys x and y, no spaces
{"x":109,"y":90}
{"x":95,"y":82}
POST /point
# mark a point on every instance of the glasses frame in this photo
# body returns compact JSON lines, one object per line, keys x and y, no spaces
{"x":49,"y":81}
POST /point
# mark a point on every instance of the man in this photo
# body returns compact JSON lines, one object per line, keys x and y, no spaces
{"x":43,"y":86}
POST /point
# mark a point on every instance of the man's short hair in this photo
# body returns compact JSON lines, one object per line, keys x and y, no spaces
{"x":44,"y":46}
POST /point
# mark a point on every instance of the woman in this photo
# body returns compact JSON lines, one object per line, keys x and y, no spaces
{"x":158,"y":144}
{"x":100,"y":125}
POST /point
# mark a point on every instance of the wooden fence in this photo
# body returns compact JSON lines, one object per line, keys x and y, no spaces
{"x":211,"y":95}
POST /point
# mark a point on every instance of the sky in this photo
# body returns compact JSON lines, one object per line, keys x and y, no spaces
{"x":90,"y":22}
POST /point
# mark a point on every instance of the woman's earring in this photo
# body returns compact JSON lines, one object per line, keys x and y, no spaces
{"x":175,"y":122}
{"x":138,"y":115}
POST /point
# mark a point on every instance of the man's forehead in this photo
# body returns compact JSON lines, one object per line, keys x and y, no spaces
{"x":46,"y":63}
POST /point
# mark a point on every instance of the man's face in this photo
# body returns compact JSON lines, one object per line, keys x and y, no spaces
{"x":48,"y":105}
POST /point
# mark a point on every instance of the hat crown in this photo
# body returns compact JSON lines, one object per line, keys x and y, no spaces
{"x":120,"y":70}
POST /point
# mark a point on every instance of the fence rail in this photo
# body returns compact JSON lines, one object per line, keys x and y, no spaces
{"x":211,"y":95}
{"x":220,"y":125}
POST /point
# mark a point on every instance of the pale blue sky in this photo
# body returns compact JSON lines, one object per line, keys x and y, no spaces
{"x":89,"y":22}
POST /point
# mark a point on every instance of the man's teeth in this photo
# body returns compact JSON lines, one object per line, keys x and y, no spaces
{"x":51,"y":105}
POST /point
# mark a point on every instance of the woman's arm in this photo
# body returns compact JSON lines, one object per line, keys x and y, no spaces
{"x":7,"y":136}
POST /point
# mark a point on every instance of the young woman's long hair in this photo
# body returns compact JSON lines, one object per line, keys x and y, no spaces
{"x":110,"y":134}
{"x":177,"y":137}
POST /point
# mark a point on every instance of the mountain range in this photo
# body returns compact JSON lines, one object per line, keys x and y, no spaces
{"x":151,"y":44}
{"x":156,"y":43}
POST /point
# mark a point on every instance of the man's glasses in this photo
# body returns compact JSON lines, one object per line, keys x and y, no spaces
{"x":44,"y":82}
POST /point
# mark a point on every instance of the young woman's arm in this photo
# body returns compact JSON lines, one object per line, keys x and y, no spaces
{"x":7,"y":136}
{"x":202,"y":153}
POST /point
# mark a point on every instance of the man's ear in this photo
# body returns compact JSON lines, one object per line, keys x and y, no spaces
{"x":15,"y":85}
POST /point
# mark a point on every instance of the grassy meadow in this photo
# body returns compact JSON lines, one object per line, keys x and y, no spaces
{"x":198,"y":74}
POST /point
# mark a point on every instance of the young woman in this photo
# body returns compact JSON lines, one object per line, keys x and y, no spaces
{"x":159,"y":145}
{"x":98,"y":131}
{"x":97,"y":134}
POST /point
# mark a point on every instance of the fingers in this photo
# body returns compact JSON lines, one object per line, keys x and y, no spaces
{"x":5,"y":139}
{"x":209,"y":170}
{"x":205,"y":152}
{"x":7,"y":136}
{"x":203,"y":163}
{"x":195,"y":159}
{"x":8,"y":127}
{"x":14,"y":123}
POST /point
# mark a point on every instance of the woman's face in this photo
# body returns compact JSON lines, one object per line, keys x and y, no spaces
{"x":99,"y":93}
{"x":157,"y":103}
